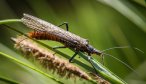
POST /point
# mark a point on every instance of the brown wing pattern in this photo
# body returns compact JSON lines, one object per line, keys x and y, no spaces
{"x":43,"y":26}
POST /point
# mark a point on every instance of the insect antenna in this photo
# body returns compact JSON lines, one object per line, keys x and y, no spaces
{"x":121,"y":62}
{"x":103,"y":53}
{"x":115,"y":48}
{"x":123,"y":47}
{"x":102,"y":56}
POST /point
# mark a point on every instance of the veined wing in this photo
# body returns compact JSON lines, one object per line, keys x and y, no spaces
{"x":43,"y":26}
{"x":36,"y":23}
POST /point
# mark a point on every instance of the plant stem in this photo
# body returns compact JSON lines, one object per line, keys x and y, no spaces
{"x":9,"y":21}
{"x":103,"y":71}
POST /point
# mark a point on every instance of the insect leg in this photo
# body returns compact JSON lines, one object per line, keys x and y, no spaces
{"x":65,"y":23}
{"x":56,"y":47}
{"x":70,"y":60}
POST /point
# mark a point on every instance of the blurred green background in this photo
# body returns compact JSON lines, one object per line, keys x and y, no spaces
{"x":105,"y":23}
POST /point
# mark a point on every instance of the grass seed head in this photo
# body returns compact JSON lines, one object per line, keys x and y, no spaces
{"x":48,"y":59}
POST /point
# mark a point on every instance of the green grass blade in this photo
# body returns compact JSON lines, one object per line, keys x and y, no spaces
{"x":128,"y":11}
{"x":9,"y":81}
{"x":104,"y":72}
{"x":24,"y":64}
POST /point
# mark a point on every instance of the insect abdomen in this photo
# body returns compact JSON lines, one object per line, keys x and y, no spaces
{"x":46,"y":36}
{"x":43,"y":36}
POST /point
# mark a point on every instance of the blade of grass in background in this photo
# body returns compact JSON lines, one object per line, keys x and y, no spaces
{"x":9,"y":81}
{"x":128,"y":11}
{"x":24,"y":64}
{"x":141,"y":2}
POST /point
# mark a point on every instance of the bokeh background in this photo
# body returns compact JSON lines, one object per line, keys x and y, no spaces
{"x":105,"y":23}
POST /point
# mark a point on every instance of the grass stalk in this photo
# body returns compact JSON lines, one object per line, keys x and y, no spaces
{"x":9,"y":21}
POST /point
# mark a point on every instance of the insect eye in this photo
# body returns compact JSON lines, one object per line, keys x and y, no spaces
{"x":87,"y":45}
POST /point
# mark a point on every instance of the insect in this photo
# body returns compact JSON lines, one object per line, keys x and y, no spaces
{"x":47,"y":31}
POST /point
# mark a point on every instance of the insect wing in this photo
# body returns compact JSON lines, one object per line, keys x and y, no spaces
{"x":43,"y":26}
